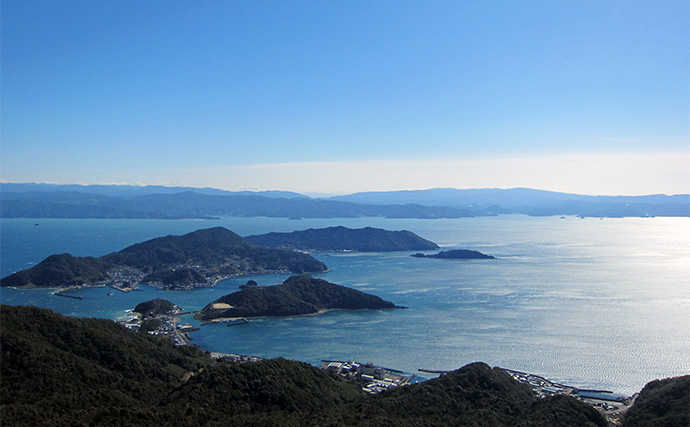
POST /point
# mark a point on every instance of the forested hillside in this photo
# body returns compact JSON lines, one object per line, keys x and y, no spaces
{"x":199,"y":257}
{"x":367,"y":239}
{"x":296,"y":295}
{"x":58,"y":371}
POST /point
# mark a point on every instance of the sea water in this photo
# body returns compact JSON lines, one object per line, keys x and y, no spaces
{"x":593,"y":303}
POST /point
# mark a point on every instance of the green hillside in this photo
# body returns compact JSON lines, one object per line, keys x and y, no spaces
{"x":296,"y":295}
{"x":59,"y":371}
{"x":662,"y":403}
{"x":59,"y":271}
{"x":173,"y":261}
{"x":346,"y":239}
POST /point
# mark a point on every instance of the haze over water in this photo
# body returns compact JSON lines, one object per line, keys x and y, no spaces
{"x":587,"y":302}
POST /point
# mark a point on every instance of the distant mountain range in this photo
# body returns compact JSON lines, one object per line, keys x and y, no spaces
{"x":531,"y":202}
{"x":29,"y":200}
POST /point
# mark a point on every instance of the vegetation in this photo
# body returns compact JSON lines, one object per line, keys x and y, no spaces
{"x":65,"y":371}
{"x":155,"y":307}
{"x":662,"y":403}
{"x":475,"y":395}
{"x":212,"y":251}
{"x":346,"y":239}
{"x":57,"y":370}
{"x":59,"y":271}
{"x":174,"y":261}
{"x":456,"y":254}
{"x":297,"y":295}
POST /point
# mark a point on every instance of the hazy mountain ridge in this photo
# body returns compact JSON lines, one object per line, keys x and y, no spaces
{"x":190,"y":204}
{"x":126,"y":191}
{"x":506,"y":198}
{"x":69,"y":201}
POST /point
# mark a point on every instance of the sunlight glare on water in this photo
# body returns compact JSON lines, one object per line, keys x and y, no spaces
{"x":587,"y":302}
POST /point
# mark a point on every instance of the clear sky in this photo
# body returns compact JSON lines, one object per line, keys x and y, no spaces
{"x":315,"y":96}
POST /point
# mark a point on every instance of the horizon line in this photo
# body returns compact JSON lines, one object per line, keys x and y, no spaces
{"x":329,"y":195}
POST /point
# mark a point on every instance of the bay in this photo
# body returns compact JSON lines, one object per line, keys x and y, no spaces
{"x":587,"y":302}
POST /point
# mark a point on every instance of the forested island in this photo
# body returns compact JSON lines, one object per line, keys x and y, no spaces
{"x":155,"y":307}
{"x":59,"y":370}
{"x":341,"y":238}
{"x":195,"y":259}
{"x":295,"y":296}
{"x":455,"y":254}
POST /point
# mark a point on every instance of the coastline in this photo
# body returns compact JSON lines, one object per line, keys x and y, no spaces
{"x":233,"y":319}
{"x":187,"y":287}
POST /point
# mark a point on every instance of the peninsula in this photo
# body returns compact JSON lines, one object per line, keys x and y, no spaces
{"x":295,"y":296}
{"x":341,"y":238}
{"x":200,"y":258}
{"x":456,"y":254}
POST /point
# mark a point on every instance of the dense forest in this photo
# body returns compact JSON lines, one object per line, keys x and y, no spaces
{"x":155,"y":307}
{"x":296,"y":295}
{"x":58,"y":271}
{"x":173,"y":261}
{"x":65,"y":371}
{"x":662,"y":403}
{"x":341,"y":238}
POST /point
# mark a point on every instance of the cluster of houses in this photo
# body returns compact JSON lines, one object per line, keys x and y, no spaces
{"x":375,"y":378}
{"x":612,"y":405}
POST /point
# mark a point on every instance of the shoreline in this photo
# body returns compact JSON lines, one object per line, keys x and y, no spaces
{"x":188,"y":287}
{"x":231,"y":319}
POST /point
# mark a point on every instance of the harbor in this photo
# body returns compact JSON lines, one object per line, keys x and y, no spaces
{"x":374,"y":378}
{"x":612,"y":405}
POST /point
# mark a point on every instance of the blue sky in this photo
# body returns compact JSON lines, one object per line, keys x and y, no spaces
{"x":343,"y":96}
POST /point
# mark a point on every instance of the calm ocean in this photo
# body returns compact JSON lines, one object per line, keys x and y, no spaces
{"x":586,"y":302}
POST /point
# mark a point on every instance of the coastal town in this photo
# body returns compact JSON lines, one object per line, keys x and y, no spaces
{"x":610,"y":404}
{"x":375,"y":378}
